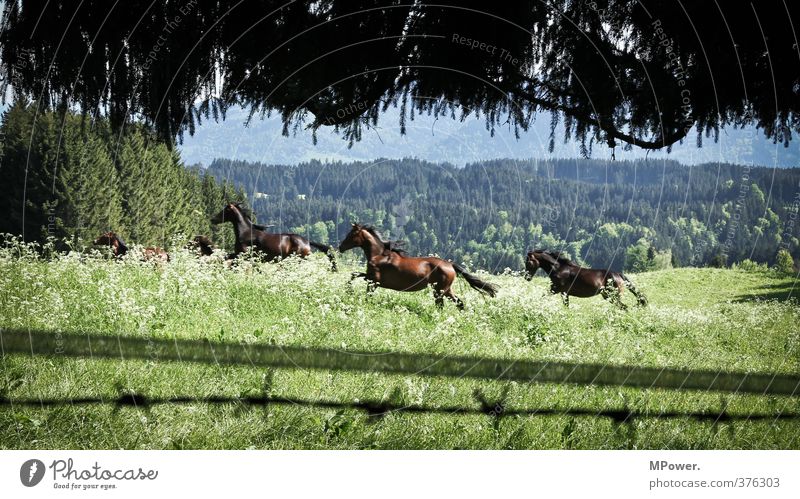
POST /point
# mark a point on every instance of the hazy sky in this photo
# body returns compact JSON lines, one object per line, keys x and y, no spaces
{"x":455,"y":142}
{"x":447,"y":140}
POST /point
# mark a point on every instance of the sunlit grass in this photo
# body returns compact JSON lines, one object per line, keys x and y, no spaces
{"x":697,"y":318}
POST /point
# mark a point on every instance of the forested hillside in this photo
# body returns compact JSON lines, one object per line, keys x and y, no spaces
{"x":626,"y":215}
{"x":68,"y":177}
{"x":72,"y":178}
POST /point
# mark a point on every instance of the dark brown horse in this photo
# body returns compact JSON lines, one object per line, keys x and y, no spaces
{"x":570,"y":279}
{"x":389,"y":267}
{"x":202,"y":244}
{"x":119,"y":248}
{"x":253,"y":237}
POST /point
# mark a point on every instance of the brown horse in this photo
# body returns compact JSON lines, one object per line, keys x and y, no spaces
{"x":253,"y":237}
{"x":120,"y":249}
{"x":570,"y":279}
{"x":389,"y":267}
{"x":202,"y":244}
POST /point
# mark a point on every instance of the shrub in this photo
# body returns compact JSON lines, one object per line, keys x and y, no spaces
{"x":748,"y":265}
{"x":784,"y":263}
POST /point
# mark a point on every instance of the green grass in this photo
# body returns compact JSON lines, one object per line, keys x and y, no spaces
{"x":697,"y":318}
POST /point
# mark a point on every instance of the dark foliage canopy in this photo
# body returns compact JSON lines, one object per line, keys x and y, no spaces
{"x":641,"y":72}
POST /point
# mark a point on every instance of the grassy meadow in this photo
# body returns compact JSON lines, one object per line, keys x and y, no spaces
{"x":719,"y":319}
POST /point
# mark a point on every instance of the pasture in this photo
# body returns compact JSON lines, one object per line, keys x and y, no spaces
{"x":716,"y":319}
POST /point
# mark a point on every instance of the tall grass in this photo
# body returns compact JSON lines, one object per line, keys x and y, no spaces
{"x":698,"y":318}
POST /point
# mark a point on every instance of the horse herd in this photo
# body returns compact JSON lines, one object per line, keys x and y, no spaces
{"x":389,"y":266}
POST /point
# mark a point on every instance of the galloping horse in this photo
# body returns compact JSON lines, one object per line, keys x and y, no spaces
{"x":389,"y":267}
{"x":119,"y":248}
{"x":250,"y":236}
{"x":570,"y":279}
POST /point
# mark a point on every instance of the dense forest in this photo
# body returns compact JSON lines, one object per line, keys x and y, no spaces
{"x":626,"y":215}
{"x":72,"y":178}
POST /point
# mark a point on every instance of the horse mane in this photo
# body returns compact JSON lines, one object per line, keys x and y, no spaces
{"x":121,"y":242}
{"x":247,"y":213}
{"x":559,"y":257}
{"x":396,"y":246}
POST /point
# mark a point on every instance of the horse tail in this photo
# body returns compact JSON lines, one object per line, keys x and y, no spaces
{"x":641,"y":299}
{"x":328,"y":251}
{"x":482,"y":286}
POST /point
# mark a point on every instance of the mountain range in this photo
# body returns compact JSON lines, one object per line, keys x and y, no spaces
{"x":455,"y":142}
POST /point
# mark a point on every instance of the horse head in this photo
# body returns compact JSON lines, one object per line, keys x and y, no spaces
{"x":202,"y":244}
{"x":531,"y":265}
{"x":112,"y":240}
{"x":106,"y":239}
{"x":354,"y":239}
{"x":227,"y":214}
{"x":546,"y":260}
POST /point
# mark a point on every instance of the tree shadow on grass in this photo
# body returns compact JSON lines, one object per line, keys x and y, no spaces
{"x":788,"y":290}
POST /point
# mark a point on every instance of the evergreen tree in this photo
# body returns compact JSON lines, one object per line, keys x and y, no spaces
{"x":70,"y":177}
{"x":784,"y":263}
{"x":594,"y":211}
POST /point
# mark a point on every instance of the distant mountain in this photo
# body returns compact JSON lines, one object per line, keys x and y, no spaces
{"x":455,"y":142}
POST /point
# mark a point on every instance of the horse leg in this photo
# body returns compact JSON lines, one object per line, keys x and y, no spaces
{"x":356,"y":275}
{"x":456,"y":299}
{"x":373,"y":277}
{"x":618,"y":295}
{"x":437,"y":296}
{"x":613,"y":294}
{"x":565,"y":299}
{"x":372,"y":285}
{"x":353,"y":277}
{"x":641,"y":300}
